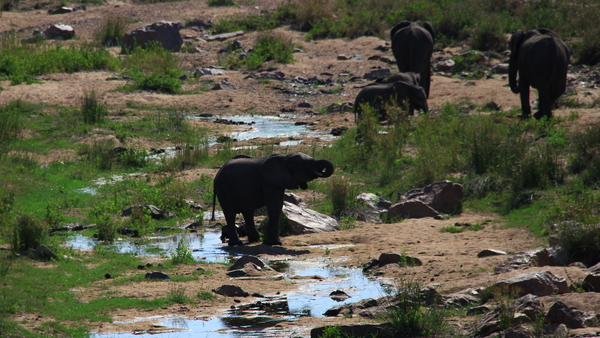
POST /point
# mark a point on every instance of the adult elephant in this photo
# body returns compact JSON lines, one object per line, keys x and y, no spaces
{"x":412,"y":45}
{"x":379,"y":96}
{"x":246,"y":183}
{"x":541,"y":60}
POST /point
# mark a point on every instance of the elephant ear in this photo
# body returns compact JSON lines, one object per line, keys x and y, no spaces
{"x":398,"y":27}
{"x":429,"y":28}
{"x":545,"y":31}
{"x":275,"y":171}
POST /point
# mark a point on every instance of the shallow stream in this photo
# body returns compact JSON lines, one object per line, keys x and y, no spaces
{"x":312,"y":297}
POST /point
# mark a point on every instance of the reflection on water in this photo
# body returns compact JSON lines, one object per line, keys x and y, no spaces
{"x":206,"y":246}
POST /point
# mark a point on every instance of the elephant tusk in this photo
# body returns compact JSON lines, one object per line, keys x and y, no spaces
{"x":318,"y":173}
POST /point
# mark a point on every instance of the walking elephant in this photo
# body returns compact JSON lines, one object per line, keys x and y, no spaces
{"x":378,"y":96}
{"x":246,"y":183}
{"x":541,"y":61}
{"x":412,"y":45}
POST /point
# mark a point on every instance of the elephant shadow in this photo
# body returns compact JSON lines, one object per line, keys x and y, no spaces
{"x":263,"y":249}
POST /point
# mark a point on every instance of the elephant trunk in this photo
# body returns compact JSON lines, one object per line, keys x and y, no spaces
{"x":513,"y":67}
{"x":324,"y":168}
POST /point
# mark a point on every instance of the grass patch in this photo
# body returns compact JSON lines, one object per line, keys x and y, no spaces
{"x":24,"y":62}
{"x":111,"y":30}
{"x":269,"y":47}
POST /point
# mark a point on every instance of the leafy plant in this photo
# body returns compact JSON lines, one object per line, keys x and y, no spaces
{"x":111,"y":30}
{"x":220,"y":3}
{"x":29,"y":232}
{"x":182,"y":254}
{"x":177,"y":295}
{"x":92,"y":110}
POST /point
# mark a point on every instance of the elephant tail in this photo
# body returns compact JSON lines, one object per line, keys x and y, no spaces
{"x":212,"y":218}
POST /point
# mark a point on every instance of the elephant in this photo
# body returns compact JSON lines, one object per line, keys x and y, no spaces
{"x":412,"y":45}
{"x":379,"y":95}
{"x":408,"y":77}
{"x":246,"y":183}
{"x":541,"y":60}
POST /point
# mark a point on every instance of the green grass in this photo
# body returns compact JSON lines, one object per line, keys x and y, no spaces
{"x":269,"y":47}
{"x":23,"y":63}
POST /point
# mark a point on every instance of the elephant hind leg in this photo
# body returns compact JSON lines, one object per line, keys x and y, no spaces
{"x":544,"y":105}
{"x":525,"y":107}
{"x":250,"y":226}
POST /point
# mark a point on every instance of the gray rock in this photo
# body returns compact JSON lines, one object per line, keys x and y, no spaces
{"x":154,"y":212}
{"x":59,"y":31}
{"x":539,"y":283}
{"x":559,"y":312}
{"x":594,"y":268}
{"x":443,"y":196}
{"x":523,"y":260}
{"x":307,"y":221}
{"x":294,"y":199}
{"x":275,"y":75}
{"x":237,"y":273}
{"x":44,"y":253}
{"x":166,"y":33}
{"x":412,"y":209}
{"x":240,"y":263}
{"x":444,"y":65}
{"x":490,"y":252}
{"x":501,"y":68}
{"x":224,"y":85}
{"x":478,"y":310}
{"x":393,"y":258}
{"x":526,"y":310}
{"x":223,"y":36}
{"x":462,"y":298}
{"x":229,"y":290}
{"x":560,"y":255}
{"x":591,"y":282}
{"x":370,"y":206}
{"x":208,"y":71}
{"x":375,"y":74}
{"x":157,"y":275}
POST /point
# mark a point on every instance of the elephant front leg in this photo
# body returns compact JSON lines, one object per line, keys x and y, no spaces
{"x":231,"y":230}
{"x":274,"y":210}
{"x":525,"y":108}
{"x":250,"y":226}
{"x":544,"y":105}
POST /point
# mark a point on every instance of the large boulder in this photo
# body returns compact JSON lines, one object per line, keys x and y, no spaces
{"x":559,"y":312}
{"x":539,"y":283}
{"x":166,"y":33}
{"x":412,"y":209}
{"x":59,"y":31}
{"x":444,"y":196}
{"x":370,"y":206}
{"x":229,"y":290}
{"x":306,"y":221}
{"x":523,"y":260}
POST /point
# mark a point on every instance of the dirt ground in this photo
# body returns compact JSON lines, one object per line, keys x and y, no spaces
{"x":450,"y":260}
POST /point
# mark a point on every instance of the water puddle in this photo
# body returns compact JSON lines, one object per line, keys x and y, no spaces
{"x":205,"y":246}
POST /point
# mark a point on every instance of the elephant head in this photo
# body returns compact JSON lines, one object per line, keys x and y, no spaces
{"x":293,"y":171}
{"x":415,"y":95}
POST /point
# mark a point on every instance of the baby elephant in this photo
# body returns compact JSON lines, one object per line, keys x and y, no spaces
{"x":380,"y":95}
{"x":408,"y":77}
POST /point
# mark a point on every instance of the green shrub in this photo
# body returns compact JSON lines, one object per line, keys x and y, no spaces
{"x":92,"y":110}
{"x":111,"y":30}
{"x":488,"y":35}
{"x":28,"y":233}
{"x":153,"y":68}
{"x":409,"y":317}
{"x":12,"y":123}
{"x":107,"y":228}
{"x":269,"y":46}
{"x":161,"y":83}
{"x":584,"y":156}
{"x":220,"y":3}
{"x":177,"y":295}
{"x":182,"y":254}
{"x":341,"y":194}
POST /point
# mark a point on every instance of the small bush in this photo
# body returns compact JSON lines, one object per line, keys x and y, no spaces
{"x":92,"y":110}
{"x":12,"y":123}
{"x":153,"y":68}
{"x":111,"y":30}
{"x":107,"y":228}
{"x":29,"y":232}
{"x":100,"y":154}
{"x":177,"y":295}
{"x":488,"y":36}
{"x":206,"y":295}
{"x":268,"y":47}
{"x":182,"y":254}
{"x":220,"y":3}
{"x":341,"y":194}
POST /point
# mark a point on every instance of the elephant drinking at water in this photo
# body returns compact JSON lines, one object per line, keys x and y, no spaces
{"x":541,"y":61}
{"x":246,"y":183}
